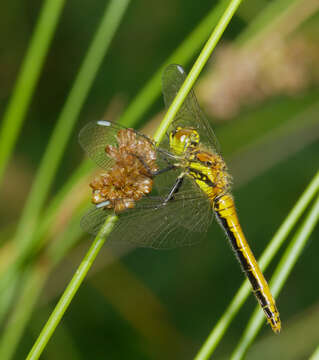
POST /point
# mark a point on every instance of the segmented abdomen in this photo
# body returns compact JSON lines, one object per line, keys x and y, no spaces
{"x":226,"y":213}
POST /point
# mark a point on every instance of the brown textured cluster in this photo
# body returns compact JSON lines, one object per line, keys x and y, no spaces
{"x":130,"y":178}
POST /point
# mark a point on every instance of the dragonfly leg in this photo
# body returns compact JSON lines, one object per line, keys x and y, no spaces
{"x":149,"y":171}
{"x":168,"y":168}
{"x":175,"y":188}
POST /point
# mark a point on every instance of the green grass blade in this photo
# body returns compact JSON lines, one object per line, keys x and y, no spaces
{"x":24,"y":237}
{"x":13,"y":332}
{"x":279,"y":18}
{"x":54,"y":152}
{"x":185,"y":51}
{"x":71,"y":289}
{"x":220,"y":328}
{"x":28,"y":78}
{"x":57,"y":203}
{"x":182,"y":55}
{"x":267,"y":18}
{"x":7,"y":294}
{"x":75,"y":282}
{"x":196,"y":69}
{"x":279,"y":278}
{"x":34,"y":279}
{"x":315,"y":355}
{"x":32,"y":284}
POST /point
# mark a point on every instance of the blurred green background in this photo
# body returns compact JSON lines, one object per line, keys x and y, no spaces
{"x":260,"y":92}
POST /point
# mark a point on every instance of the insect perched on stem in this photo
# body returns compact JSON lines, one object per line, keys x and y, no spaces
{"x":165,"y":195}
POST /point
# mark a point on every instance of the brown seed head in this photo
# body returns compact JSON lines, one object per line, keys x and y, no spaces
{"x":131,"y":176}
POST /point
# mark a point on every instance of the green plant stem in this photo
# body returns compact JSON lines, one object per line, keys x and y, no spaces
{"x":56,"y":206}
{"x":33,"y":282}
{"x":144,"y":100}
{"x":196,"y":69}
{"x":61,"y":134}
{"x":24,"y":237}
{"x":264,"y":22}
{"x":13,"y":331}
{"x":57,"y":203}
{"x":71,"y":289}
{"x":280,"y":276}
{"x":182,"y":55}
{"x":315,"y":355}
{"x":35,"y":276}
{"x":184,"y":52}
{"x":218,"y":331}
{"x":22,"y":311}
{"x":28,"y":78}
{"x":11,"y":282}
{"x":280,"y":18}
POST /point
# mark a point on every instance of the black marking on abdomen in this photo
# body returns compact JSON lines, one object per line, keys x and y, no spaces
{"x":253,"y":280}
{"x":243,"y":260}
{"x":229,"y":233}
{"x":268,"y":312}
{"x":261,"y":298}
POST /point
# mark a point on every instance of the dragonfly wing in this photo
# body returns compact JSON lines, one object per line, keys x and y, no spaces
{"x":196,"y":212}
{"x":152,"y":224}
{"x":93,"y":220}
{"x":159,"y":226}
{"x":94,"y":137}
{"x":190,"y":113}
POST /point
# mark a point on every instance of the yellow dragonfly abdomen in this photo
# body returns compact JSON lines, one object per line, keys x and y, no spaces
{"x":226,"y":213}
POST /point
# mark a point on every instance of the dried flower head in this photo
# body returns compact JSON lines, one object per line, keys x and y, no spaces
{"x":133,"y":148}
{"x":130,"y":178}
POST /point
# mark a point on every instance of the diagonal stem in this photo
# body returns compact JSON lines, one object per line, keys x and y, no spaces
{"x":280,"y":276}
{"x":25,"y":233}
{"x":28,"y":78}
{"x":220,"y":328}
{"x":71,"y":289}
{"x":196,"y":69}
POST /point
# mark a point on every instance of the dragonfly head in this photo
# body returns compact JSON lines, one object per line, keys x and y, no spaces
{"x":183,"y":139}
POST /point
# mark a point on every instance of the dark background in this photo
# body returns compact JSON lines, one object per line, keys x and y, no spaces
{"x":150,"y":304}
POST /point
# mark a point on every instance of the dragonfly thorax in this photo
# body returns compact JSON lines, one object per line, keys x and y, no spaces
{"x":208,"y":169}
{"x":210,"y":172}
{"x":182,"y":140}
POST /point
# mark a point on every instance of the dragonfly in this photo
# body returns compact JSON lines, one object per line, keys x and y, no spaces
{"x":179,"y":185}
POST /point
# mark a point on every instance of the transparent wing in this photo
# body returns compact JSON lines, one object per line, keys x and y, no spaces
{"x":96,"y":135}
{"x":152,"y":224}
{"x":165,"y":180}
{"x":190,"y":114}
